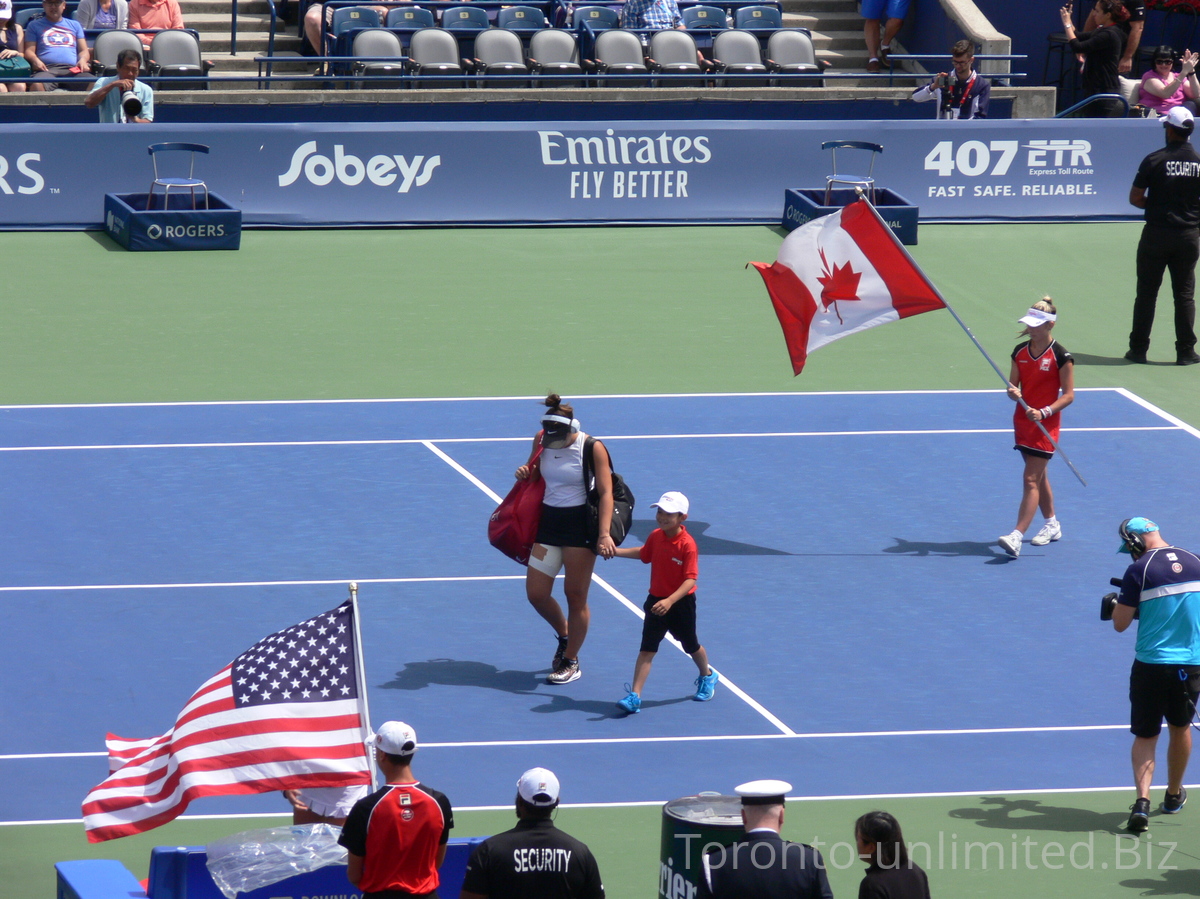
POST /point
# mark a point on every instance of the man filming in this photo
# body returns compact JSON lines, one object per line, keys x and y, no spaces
{"x":961,"y":94}
{"x":1162,"y":589}
{"x":121,"y":97}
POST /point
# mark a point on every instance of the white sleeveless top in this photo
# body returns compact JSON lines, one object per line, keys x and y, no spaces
{"x":562,"y":470}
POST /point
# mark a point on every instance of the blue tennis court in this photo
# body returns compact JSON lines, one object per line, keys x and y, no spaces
{"x":871,"y":636}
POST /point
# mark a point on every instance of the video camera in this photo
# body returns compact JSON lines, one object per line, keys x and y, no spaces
{"x":1109,"y":602}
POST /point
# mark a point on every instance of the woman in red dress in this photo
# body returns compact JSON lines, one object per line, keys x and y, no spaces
{"x":1043,"y":375}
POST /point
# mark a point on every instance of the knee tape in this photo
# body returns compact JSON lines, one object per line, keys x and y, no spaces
{"x":546,"y":559}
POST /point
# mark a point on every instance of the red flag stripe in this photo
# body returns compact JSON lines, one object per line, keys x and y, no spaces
{"x":911,"y":293}
{"x":794,"y":307}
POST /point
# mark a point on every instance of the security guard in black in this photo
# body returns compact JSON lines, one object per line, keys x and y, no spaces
{"x":534,"y":860}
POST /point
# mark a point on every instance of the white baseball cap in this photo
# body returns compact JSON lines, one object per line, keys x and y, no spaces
{"x":5,"y":9}
{"x":1180,"y":118}
{"x":672,"y":501}
{"x":538,"y":787}
{"x":1035,"y":317}
{"x":396,"y":738}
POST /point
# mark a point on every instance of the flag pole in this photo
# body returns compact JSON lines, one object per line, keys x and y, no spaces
{"x":364,"y":712}
{"x":963,"y":325}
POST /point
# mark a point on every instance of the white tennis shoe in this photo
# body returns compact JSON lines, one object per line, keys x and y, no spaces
{"x":1011,"y":543}
{"x":1050,"y":532}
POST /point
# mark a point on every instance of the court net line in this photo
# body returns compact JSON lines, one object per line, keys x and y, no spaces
{"x":401,"y":441}
{"x":300,"y":583}
{"x":620,"y":597}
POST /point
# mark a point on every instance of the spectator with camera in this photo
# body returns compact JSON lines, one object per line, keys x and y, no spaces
{"x":1161,"y":589}
{"x":961,"y":93}
{"x":121,"y":97}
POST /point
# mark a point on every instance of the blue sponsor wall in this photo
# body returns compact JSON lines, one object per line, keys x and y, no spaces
{"x":579,"y":172}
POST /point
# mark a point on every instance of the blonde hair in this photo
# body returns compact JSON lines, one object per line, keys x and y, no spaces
{"x":1045,"y":304}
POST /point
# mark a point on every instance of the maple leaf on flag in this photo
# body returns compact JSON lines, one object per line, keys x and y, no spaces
{"x":839,"y":285}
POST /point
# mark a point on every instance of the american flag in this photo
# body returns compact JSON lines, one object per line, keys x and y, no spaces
{"x":285,"y":714}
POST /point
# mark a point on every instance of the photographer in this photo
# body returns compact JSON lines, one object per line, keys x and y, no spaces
{"x":1162,"y":590}
{"x":961,"y":94}
{"x":121,"y":97}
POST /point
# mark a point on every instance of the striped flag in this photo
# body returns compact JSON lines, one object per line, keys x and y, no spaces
{"x":843,"y":273}
{"x":287,"y":713}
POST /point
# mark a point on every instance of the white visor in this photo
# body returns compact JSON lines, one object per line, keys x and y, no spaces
{"x":1035,"y":317}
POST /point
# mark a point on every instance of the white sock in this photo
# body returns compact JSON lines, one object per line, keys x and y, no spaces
{"x":1017,"y":534}
{"x":1052,"y":520}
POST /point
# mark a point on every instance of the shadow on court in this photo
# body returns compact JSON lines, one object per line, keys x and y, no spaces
{"x":1184,"y":882}
{"x":599,"y":710}
{"x":1088,"y":359}
{"x":455,"y":673}
{"x":959,"y":548}
{"x":706,"y":546}
{"x":1032,"y":814}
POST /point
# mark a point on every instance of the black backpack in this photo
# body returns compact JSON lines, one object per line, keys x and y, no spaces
{"x":623,"y":501}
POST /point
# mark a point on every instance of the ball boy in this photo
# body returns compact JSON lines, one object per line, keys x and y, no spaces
{"x":671,"y":605}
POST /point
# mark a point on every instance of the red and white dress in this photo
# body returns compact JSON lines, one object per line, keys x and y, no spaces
{"x":1040,"y":383}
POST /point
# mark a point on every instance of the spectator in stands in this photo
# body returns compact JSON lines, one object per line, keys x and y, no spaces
{"x":1101,"y":51}
{"x":56,"y":49}
{"x":1131,"y":19}
{"x":1163,"y":88}
{"x":101,"y":15}
{"x":110,"y":93}
{"x":154,"y":15}
{"x":873,"y":13}
{"x":655,"y":14}
{"x":313,"y":25}
{"x":11,"y":37}
{"x":961,"y":94}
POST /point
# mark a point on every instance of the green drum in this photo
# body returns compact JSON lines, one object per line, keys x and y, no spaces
{"x":692,"y":825}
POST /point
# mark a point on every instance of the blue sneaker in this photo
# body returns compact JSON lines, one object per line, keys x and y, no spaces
{"x":632,"y":703}
{"x":706,"y":685}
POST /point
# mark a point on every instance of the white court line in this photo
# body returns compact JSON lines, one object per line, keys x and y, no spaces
{"x":400,"y":441}
{"x":710,"y":738}
{"x":1161,"y":413}
{"x":320,"y":583}
{"x":507,"y":399}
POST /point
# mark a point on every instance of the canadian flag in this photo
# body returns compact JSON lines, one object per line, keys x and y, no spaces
{"x":843,"y":273}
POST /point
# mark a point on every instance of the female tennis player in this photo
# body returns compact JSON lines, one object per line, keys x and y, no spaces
{"x":563,"y":540}
{"x":1043,"y":375}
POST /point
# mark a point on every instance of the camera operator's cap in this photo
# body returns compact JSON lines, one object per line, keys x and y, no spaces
{"x":672,"y":501}
{"x":1179,"y":118}
{"x":396,"y":738}
{"x":1035,"y":317}
{"x":1137,"y":526}
{"x":763,"y":792}
{"x":538,"y":787}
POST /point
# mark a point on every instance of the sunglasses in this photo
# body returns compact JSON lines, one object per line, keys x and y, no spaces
{"x":1159,"y":62}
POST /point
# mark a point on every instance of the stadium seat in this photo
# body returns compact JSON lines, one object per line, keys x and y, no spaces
{"x":498,"y":51}
{"x":738,"y":52}
{"x":521,"y":18}
{"x":710,"y":18}
{"x":108,"y":46}
{"x":758,"y":18}
{"x":597,"y":18}
{"x":24,"y":16}
{"x":673,"y":52}
{"x":378,"y":42}
{"x":345,"y":20}
{"x":412,"y":17}
{"x":553,"y":51}
{"x":465,"y":18}
{"x":866,"y":181}
{"x":167,"y":182}
{"x":175,"y":52}
{"x":618,"y":53}
{"x":434,"y":51}
{"x":790,"y":52}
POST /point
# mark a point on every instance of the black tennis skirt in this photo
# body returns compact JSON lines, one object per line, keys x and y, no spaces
{"x":563,"y":526}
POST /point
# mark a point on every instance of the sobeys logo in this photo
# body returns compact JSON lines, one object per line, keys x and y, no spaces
{"x":380,"y":170}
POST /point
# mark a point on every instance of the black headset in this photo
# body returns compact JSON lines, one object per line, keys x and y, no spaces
{"x":1135,"y":542}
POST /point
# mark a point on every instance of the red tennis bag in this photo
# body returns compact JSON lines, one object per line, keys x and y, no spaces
{"x":512,"y":529}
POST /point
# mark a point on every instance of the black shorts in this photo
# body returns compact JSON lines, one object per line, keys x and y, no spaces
{"x":680,"y":621}
{"x":1159,"y":691}
{"x":564,"y":526}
